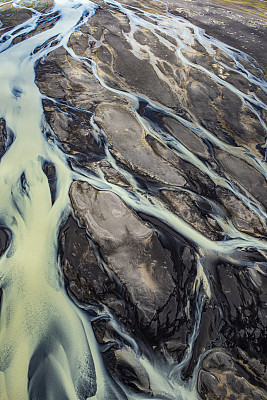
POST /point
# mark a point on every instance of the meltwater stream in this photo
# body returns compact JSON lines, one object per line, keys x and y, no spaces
{"x":47,"y":346}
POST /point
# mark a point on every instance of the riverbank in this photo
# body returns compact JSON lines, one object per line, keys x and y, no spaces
{"x":241,"y":24}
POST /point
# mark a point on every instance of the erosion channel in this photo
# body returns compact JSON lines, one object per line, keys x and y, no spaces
{"x":133,"y":247}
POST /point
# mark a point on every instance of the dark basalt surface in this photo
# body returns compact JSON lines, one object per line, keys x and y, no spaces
{"x":136,"y":266}
{"x":242,"y":24}
{"x":178,"y":298}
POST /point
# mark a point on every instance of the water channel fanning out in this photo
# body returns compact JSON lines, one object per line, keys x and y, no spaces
{"x":133,"y":127}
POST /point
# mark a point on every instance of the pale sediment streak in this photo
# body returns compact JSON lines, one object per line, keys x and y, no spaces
{"x":39,"y":323}
{"x":42,"y":332}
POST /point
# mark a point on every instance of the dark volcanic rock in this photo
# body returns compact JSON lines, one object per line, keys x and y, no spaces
{"x":63,"y":78}
{"x":127,"y":368}
{"x":129,"y":247}
{"x":11,"y":16}
{"x":244,"y":219}
{"x":223,"y":378}
{"x":4,"y":240}
{"x":2,"y":136}
{"x":148,"y":111}
{"x":122,"y":130}
{"x":247,"y":176}
{"x":125,"y":266}
{"x":186,"y":207}
{"x":226,"y":20}
{"x":81,"y":268}
{"x":6,"y":137}
{"x":173,"y":116}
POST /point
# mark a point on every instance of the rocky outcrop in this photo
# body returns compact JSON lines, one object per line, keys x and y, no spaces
{"x":122,"y":130}
{"x":2,"y":136}
{"x":223,"y":378}
{"x":116,"y":259}
{"x":130,"y":249}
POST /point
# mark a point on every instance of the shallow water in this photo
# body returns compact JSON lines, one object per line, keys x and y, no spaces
{"x":48,"y":349}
